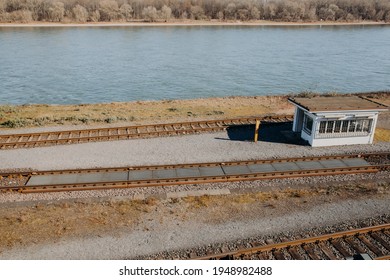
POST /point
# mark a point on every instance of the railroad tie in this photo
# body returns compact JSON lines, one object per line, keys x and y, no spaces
{"x":327,"y":251}
{"x":380,"y":240}
{"x":279,"y":255}
{"x":343,"y":251}
{"x":293,"y":251}
{"x":311,"y":252}
{"x":358,"y":249}
{"x":262,"y":256}
{"x":370,"y":246}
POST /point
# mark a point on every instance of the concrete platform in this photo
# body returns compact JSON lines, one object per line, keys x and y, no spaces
{"x":62,"y":179}
{"x":286,"y":166}
{"x":164,"y":174}
{"x":188,"y":172}
{"x":307,"y":165}
{"x":236,"y":170}
{"x":332,"y":163}
{"x":211,"y":171}
{"x":140,"y":175}
{"x":354,"y":162}
{"x":223,"y":170}
{"x":258,"y":168}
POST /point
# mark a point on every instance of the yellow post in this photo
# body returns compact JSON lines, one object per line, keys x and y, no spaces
{"x":257,"y":130}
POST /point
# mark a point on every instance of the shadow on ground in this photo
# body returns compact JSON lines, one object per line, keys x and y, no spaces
{"x":274,"y":133}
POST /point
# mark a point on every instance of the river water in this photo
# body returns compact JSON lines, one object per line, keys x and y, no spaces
{"x":73,"y":65}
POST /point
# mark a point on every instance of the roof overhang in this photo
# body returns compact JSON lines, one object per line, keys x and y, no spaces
{"x":336,"y":105}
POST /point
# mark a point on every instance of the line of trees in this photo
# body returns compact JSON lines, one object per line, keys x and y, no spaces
{"x":165,"y":10}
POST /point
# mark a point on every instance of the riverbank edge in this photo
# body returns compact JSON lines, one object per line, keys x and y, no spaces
{"x":191,"y":23}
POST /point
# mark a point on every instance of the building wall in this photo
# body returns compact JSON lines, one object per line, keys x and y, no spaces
{"x":341,"y":141}
{"x":317,"y":140}
{"x":298,"y":119}
{"x":307,"y":137}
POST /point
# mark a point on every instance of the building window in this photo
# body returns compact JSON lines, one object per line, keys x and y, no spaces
{"x":366,"y":127}
{"x":337,"y":126}
{"x":352,"y":126}
{"x":322,"y":128}
{"x":345,"y":128}
{"x":307,"y":124}
{"x":329,"y":126}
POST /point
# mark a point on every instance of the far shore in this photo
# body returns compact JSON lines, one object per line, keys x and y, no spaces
{"x":189,"y":23}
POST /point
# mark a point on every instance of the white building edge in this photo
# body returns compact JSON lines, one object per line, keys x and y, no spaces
{"x":331,"y":121}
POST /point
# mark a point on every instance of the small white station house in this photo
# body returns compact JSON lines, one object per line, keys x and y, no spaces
{"x":336,"y":120}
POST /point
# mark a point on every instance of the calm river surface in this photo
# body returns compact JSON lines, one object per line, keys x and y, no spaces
{"x":71,"y":65}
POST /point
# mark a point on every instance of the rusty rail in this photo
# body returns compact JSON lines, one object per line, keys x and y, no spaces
{"x":29,"y":140}
{"x":324,"y":245}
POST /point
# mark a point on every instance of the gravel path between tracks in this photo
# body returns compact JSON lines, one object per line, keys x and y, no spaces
{"x":221,"y":146}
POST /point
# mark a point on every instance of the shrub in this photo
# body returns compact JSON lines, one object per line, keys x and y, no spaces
{"x":255,"y":13}
{"x":14,"y":123}
{"x":197,"y":13}
{"x":220,"y":15}
{"x":126,"y":11}
{"x":230,"y":11}
{"x":166,"y":13}
{"x":23,"y":16}
{"x":108,"y":10}
{"x":326,"y":14}
{"x":349,"y":17}
{"x":4,"y":17}
{"x":243,"y":14}
{"x":387,"y":17}
{"x":3,"y":7}
{"x":56,"y":11}
{"x":94,"y":16}
{"x":149,"y":13}
{"x":80,"y":13}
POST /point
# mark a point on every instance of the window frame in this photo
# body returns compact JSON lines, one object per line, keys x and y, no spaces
{"x":353,"y":127}
{"x":308,"y":120}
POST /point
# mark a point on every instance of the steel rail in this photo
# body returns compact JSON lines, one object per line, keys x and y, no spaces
{"x":383,"y":258}
{"x":295,"y":243}
{"x":26,"y":140}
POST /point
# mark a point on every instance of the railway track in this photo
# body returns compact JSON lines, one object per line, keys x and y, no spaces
{"x":374,"y":241}
{"x":197,"y":173}
{"x":30,"y":140}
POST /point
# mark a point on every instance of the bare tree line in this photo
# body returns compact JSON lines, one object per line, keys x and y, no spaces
{"x":165,"y":10}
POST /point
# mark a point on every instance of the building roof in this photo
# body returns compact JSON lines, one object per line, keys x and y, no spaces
{"x":337,"y":103}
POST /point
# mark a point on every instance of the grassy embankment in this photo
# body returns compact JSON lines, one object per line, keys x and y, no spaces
{"x":142,"y":112}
